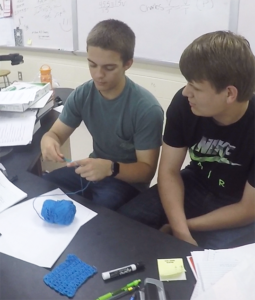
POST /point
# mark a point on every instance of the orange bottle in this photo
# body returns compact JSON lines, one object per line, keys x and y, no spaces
{"x":45,"y":72}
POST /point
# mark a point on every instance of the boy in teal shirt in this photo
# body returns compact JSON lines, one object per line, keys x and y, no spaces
{"x":124,"y":119}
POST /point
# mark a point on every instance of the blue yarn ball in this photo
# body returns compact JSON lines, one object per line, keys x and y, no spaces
{"x":58,"y":212}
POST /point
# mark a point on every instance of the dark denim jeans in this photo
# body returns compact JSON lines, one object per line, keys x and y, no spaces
{"x":109,"y":192}
{"x":147,"y":208}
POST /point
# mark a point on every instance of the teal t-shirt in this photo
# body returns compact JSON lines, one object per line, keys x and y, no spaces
{"x":132,"y":121}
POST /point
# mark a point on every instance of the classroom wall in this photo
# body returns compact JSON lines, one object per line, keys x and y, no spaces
{"x":71,"y":70}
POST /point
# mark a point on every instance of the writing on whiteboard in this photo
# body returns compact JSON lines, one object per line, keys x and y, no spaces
{"x":46,"y":10}
{"x":53,"y":9}
{"x":177,"y":5}
{"x":20,"y":7}
{"x":204,"y":4}
{"x":42,"y":34}
{"x":106,"y":6}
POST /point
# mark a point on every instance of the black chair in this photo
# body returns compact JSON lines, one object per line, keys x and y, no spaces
{"x":61,"y":94}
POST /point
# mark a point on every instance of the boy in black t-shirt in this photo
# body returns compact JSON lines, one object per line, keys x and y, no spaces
{"x":212,"y":201}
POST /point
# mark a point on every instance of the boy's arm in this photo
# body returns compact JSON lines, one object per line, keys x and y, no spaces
{"x":53,"y":139}
{"x":94,"y":169}
{"x":59,"y":132}
{"x":141,"y":171}
{"x":230,"y":216}
{"x":171,"y":190}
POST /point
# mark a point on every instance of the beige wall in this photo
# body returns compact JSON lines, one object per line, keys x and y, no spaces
{"x":71,"y":70}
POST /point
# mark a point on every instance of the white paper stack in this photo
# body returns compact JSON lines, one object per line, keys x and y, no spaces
{"x":16,"y":128}
{"x":19,"y":96}
{"x":227,"y":274}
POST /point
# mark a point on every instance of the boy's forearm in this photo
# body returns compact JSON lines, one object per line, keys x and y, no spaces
{"x":171,"y":190}
{"x":51,"y":134}
{"x":230,"y":216}
{"x":136,"y":172}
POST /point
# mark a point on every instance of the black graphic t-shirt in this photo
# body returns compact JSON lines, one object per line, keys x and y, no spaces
{"x":221,"y":156}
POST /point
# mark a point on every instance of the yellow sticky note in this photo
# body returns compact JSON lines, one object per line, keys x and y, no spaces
{"x":29,"y":42}
{"x":171,"y":269}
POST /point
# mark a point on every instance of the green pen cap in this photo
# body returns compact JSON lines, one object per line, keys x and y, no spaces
{"x":125,"y":288}
{"x":134,"y":283}
{"x":105,"y":297}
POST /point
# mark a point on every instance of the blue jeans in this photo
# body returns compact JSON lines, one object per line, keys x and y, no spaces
{"x":147,"y":208}
{"x":109,"y":192}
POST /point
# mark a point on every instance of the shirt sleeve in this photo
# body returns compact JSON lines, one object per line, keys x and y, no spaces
{"x":175,"y":116}
{"x":148,"y":134}
{"x":71,"y":113}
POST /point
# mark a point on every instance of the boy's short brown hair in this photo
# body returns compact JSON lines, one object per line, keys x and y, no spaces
{"x":113,"y":35}
{"x":221,"y":58}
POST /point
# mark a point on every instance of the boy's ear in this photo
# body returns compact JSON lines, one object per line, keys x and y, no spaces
{"x":232,"y":94}
{"x":128,"y":64}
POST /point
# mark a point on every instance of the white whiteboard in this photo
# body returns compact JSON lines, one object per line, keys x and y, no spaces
{"x":246,"y":25}
{"x":45,"y":23}
{"x":163,"y":28}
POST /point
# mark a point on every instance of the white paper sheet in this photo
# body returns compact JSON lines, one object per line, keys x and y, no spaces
{"x":7,"y":35}
{"x":29,"y":238}
{"x":213,"y":265}
{"x":7,"y":8}
{"x":59,"y":108}
{"x":41,"y":102}
{"x":16,"y":128}
{"x":9,"y":193}
{"x":237,"y":284}
{"x":17,"y":97}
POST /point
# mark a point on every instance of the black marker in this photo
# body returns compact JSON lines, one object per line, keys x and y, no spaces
{"x":122,"y":271}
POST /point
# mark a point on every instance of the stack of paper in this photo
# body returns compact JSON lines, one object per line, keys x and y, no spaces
{"x":227,"y":274}
{"x":43,"y":105}
{"x":17,"y":128}
{"x":21,"y":95}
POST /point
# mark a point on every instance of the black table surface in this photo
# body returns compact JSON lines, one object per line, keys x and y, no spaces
{"x":108,"y":241}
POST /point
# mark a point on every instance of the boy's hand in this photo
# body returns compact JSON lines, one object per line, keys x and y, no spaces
{"x":187,"y":237}
{"x":51,"y":150}
{"x":93,"y":169}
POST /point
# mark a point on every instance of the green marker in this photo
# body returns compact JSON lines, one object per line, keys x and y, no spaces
{"x":134,"y":283}
{"x":12,"y":88}
{"x":125,"y":288}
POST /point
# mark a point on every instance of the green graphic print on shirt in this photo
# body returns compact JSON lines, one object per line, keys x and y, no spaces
{"x":213,"y":151}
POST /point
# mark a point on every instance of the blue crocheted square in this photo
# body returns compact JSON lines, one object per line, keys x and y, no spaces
{"x":69,"y":276}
